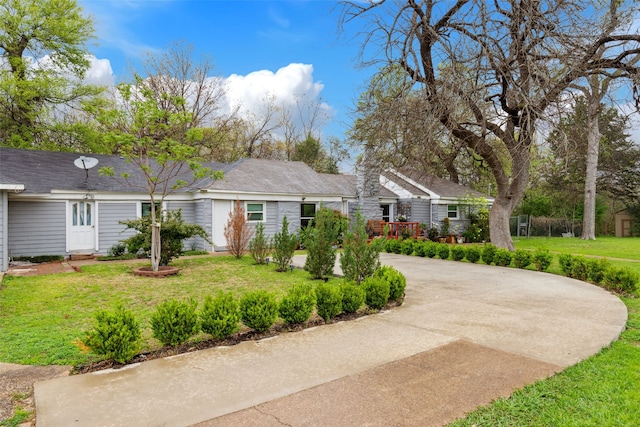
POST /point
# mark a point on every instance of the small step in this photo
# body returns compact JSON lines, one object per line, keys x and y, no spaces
{"x":81,"y":257}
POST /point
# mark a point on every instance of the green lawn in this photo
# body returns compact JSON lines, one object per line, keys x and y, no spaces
{"x":603,"y":390}
{"x":42,"y":318}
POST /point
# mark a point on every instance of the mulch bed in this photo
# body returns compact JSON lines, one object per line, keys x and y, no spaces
{"x":232,"y":340}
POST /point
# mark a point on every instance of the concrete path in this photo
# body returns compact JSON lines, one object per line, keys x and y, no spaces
{"x":465,"y":335}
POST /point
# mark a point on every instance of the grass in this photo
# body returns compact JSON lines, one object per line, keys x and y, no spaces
{"x":43,"y":318}
{"x":603,"y":390}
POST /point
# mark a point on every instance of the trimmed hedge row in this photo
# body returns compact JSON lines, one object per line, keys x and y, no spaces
{"x":116,"y":334}
{"x":597,"y":271}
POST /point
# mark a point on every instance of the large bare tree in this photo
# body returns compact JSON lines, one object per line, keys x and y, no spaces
{"x":504,"y":62}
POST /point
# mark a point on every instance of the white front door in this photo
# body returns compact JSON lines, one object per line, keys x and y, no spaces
{"x":82,"y":230}
{"x":221,"y":209}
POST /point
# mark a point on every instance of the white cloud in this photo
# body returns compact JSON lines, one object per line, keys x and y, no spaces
{"x":291,"y":87}
{"x":99,"y":72}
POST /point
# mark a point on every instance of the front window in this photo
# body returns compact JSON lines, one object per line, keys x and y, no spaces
{"x":255,"y":212}
{"x":146,"y":208}
{"x":307,"y":213}
{"x":452,"y":211}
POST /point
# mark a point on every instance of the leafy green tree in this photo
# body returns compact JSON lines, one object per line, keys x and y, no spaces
{"x":152,"y":132}
{"x":44,"y":55}
{"x":359,"y":259}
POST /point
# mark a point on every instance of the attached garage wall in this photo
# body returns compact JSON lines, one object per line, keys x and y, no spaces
{"x":37,"y":228}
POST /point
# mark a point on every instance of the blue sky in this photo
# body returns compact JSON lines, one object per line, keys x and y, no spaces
{"x":243,"y":37}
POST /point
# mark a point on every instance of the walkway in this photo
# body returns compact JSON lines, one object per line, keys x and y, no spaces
{"x":465,"y":335}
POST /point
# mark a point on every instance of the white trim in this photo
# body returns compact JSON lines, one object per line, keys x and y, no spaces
{"x":396,"y":188}
{"x":67,"y":216}
{"x":96,"y":225}
{"x":255,"y":202}
{"x":12,"y":187}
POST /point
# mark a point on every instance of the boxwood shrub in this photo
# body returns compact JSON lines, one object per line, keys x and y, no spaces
{"x":353,"y":297}
{"x":502,"y":258}
{"x":396,"y":280}
{"x":442,"y":249}
{"x":489,"y":253}
{"x":220,"y":316}
{"x":328,"y":300}
{"x":296,"y":307}
{"x":457,"y":253}
{"x":521,"y":258}
{"x":174,"y":322}
{"x":377,"y":292}
{"x":472,"y":253}
{"x":259,"y":310}
{"x":542,"y":259}
{"x":116,"y":335}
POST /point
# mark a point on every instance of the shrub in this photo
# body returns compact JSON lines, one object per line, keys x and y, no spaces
{"x":430,"y":248}
{"x":284,"y":246}
{"x":488,"y":253}
{"x":377,"y":292}
{"x":396,"y":280}
{"x":117,"y":250}
{"x":502,"y":257}
{"x":579,"y":268}
{"x":542,"y":259}
{"x":116,"y":335}
{"x":406,"y":247}
{"x":259,"y":310}
{"x":260,"y":245}
{"x":597,"y":268}
{"x":328,"y":301}
{"x":621,"y":280}
{"x":442,"y":249}
{"x":296,"y":307}
{"x":353,"y":297}
{"x":521,"y":258}
{"x":472,"y":253}
{"x":220,"y":316}
{"x":393,"y":246}
{"x":566,"y":262}
{"x":359,"y":259}
{"x":172,"y":233}
{"x":174,"y":322}
{"x":419,"y":248}
{"x":236,"y":231}
{"x":322,"y":235}
{"x":457,"y":253}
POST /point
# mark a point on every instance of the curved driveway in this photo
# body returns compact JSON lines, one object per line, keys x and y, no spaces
{"x":465,"y":335}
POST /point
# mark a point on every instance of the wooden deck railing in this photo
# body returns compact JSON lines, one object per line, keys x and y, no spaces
{"x":397,"y":230}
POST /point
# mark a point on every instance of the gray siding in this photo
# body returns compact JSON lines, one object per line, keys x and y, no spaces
{"x":4,"y":256}
{"x":273,"y":223}
{"x":203,"y":215}
{"x":37,"y":228}
{"x":110,"y":231}
{"x":292,"y":212}
{"x":457,"y":226}
{"x":190,"y":214}
{"x":421,"y":211}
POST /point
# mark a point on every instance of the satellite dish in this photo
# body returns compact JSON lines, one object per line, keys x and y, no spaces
{"x":85,"y":163}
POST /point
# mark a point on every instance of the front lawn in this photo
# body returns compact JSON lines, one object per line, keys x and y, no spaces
{"x":42,"y":318}
{"x":603,"y":390}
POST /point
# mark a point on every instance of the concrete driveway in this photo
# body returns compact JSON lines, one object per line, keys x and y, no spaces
{"x":465,"y":335}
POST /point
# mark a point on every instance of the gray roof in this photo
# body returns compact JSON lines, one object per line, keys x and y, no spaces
{"x":276,"y":177}
{"x":348,"y":184}
{"x":439,"y":186}
{"x":44,"y":171}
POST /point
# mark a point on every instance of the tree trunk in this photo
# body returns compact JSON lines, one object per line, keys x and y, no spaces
{"x":593,"y":148}
{"x":499,"y":223}
{"x":155,"y":246}
{"x":155,"y":237}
